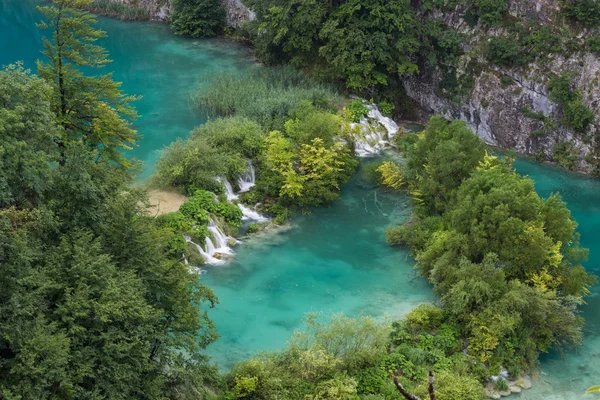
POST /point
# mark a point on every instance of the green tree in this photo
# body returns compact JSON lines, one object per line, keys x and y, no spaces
{"x":91,"y":109}
{"x":198,"y":18}
{"x":365,"y":44}
{"x":28,"y":129}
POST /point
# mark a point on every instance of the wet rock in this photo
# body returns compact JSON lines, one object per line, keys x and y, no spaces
{"x":515,"y":389}
{"x":524,"y":382}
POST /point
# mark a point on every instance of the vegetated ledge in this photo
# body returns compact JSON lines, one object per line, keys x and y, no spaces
{"x":159,"y":10}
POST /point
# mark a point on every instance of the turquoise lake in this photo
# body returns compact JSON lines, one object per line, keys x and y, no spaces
{"x":333,"y":260}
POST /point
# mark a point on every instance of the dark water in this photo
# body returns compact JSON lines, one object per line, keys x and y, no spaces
{"x":333,"y":260}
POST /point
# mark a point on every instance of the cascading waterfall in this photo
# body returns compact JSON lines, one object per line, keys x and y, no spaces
{"x":377,"y":131}
{"x":248,"y":179}
{"x":215,"y":246}
{"x":245,"y":182}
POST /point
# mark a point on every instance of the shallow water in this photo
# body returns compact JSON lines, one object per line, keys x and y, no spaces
{"x":150,"y":61}
{"x":333,"y":260}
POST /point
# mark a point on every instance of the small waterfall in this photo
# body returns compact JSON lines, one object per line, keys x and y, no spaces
{"x":218,"y":243}
{"x":229,"y":191}
{"x":376,"y":132}
{"x":252,"y":215}
{"x":248,"y":179}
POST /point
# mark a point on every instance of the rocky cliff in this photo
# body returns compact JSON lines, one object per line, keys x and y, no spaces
{"x":237,"y":12}
{"x":510,"y":107}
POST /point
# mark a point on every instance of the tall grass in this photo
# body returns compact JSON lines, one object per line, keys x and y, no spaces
{"x":265,"y":95}
{"x":126,"y":12}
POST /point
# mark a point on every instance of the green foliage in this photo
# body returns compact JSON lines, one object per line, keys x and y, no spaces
{"x":585,"y":12}
{"x":320,"y":362}
{"x":491,"y":11}
{"x":355,"y":110}
{"x":502,"y":385}
{"x":565,"y":155}
{"x":265,"y":95}
{"x":333,"y":38}
{"x":388,"y":25}
{"x":220,"y":148}
{"x":91,"y":109}
{"x":505,"y":262}
{"x":524,"y":43}
{"x":308,"y":175}
{"x":123,"y":11}
{"x":444,"y":157}
{"x":96,"y":301}
{"x":198,"y":18}
{"x":387,"y":109}
{"x":593,"y":44}
{"x":391,"y":175}
{"x":27,"y":128}
{"x":202,"y":204}
{"x":576,"y":114}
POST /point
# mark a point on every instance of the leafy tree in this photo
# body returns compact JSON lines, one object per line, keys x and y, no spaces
{"x":27,"y":128}
{"x":366,"y":43}
{"x":198,"y":18}
{"x":446,"y":155}
{"x":91,"y":109}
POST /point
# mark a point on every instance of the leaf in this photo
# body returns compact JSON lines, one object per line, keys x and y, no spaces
{"x":593,"y":389}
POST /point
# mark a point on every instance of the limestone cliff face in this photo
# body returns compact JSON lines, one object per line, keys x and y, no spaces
{"x":494,"y":109}
{"x":237,"y":12}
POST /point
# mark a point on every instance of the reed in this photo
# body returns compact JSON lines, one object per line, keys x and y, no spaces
{"x":125,"y":12}
{"x":265,"y":95}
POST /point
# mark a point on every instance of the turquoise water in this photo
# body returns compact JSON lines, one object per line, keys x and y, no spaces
{"x":333,"y":260}
{"x":150,"y":61}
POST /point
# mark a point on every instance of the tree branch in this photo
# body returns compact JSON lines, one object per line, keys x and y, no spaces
{"x":403,"y":391}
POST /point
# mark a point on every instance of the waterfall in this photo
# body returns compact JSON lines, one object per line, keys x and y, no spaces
{"x":217,"y":243}
{"x":249,"y":214}
{"x":248,"y":179}
{"x":376,"y":132}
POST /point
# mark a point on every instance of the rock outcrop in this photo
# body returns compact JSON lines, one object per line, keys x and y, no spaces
{"x":237,"y":12}
{"x":494,"y":108}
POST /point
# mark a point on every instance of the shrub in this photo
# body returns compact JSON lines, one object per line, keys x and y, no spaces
{"x":585,"y":12}
{"x":491,"y":11}
{"x":387,"y":109}
{"x":502,"y":385}
{"x":198,"y":18}
{"x":593,"y":43}
{"x":564,"y":155}
{"x":355,"y":110}
{"x":504,"y":50}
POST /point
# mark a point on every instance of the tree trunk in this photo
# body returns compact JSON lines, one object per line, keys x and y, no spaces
{"x":403,"y":391}
{"x":431,"y":388}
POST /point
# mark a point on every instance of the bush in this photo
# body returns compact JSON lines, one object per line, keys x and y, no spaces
{"x":355,"y":110}
{"x":502,"y":385}
{"x":491,"y":11}
{"x":585,"y":12}
{"x":198,"y":18}
{"x":505,"y":51}
{"x":593,"y":43}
